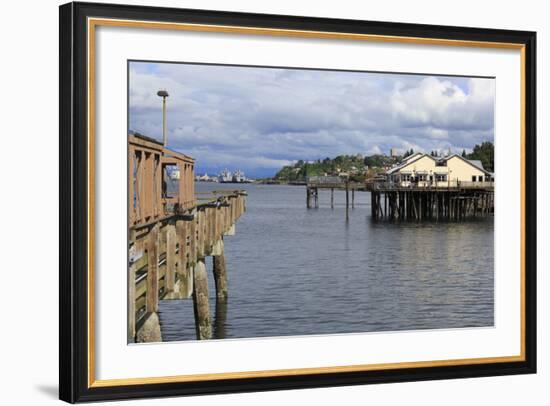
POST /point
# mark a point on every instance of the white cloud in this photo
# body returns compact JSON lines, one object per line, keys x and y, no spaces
{"x":259,"y":117}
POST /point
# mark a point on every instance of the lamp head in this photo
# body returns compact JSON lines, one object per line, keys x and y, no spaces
{"x":162,"y":93}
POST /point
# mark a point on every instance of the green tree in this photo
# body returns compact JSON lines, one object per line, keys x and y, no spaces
{"x":484,"y":153}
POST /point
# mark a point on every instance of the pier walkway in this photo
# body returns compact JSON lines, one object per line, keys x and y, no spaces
{"x":171,"y":232}
{"x":316,"y":183}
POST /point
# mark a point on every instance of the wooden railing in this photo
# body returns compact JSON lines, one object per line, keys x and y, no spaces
{"x":162,"y":254}
{"x":427,"y":185}
{"x":148,"y":199}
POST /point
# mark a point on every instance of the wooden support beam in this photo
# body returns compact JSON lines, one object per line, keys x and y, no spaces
{"x":316,"y":198}
{"x":220,"y":273}
{"x":131,"y":296}
{"x":200,"y":235}
{"x":193,"y":240}
{"x":347,"y":200}
{"x":219,"y":221}
{"x":183,"y":271}
{"x":201,"y":305}
{"x":207,"y":231}
{"x":170,"y":278}
{"x":152,"y":270}
{"x":212,"y":232}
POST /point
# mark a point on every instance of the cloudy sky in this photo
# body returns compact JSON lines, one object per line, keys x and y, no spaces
{"x":259,"y":119}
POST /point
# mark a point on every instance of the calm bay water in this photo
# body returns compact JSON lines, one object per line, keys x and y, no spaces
{"x":294,"y":271}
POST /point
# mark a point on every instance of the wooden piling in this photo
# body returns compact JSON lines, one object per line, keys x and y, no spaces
{"x":347,"y":200}
{"x":332,"y":198}
{"x":201,"y":305}
{"x":316,"y":196}
{"x":220,"y":274}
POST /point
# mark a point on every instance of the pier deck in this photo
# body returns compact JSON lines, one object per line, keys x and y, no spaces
{"x":415,"y":201}
{"x":316,"y":183}
{"x":171,"y":232}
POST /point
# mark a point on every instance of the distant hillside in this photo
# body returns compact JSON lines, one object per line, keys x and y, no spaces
{"x":358,"y":167}
{"x":353,"y":165}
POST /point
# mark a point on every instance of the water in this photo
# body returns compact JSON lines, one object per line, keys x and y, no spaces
{"x":294,"y":271}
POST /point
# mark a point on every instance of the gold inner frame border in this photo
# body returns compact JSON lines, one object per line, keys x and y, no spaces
{"x":95,"y":22}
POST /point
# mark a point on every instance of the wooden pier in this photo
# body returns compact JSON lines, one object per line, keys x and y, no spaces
{"x":170,"y":235}
{"x":332,"y":183}
{"x":457,"y":202}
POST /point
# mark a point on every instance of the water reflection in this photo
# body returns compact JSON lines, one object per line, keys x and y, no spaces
{"x":293,"y":271}
{"x":220,"y":318}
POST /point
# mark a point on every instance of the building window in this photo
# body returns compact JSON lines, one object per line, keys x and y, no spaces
{"x":480,"y":178}
{"x":421,"y":178}
{"x":441,"y":178}
{"x":406,"y":178}
{"x":474,"y":178}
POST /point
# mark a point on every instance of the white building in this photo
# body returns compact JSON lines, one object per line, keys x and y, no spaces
{"x":423,"y":170}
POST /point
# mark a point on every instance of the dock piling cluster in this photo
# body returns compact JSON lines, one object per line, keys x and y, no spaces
{"x":431,"y":204}
{"x":395,"y":202}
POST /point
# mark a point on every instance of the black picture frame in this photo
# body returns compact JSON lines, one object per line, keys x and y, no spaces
{"x":74,"y":383}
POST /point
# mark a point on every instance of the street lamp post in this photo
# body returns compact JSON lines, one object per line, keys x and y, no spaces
{"x":164,"y":95}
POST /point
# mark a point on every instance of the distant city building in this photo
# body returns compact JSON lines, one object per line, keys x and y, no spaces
{"x":394,"y":153}
{"x":233,"y":177}
{"x":206,"y":178}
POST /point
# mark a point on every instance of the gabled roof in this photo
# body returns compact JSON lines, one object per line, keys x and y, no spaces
{"x":474,"y":162}
{"x":408,"y":158}
{"x":418,"y":156}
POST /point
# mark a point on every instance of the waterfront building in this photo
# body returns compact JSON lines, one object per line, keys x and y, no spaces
{"x":425,"y":170}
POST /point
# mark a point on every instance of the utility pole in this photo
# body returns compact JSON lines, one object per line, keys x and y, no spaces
{"x":164,"y":95}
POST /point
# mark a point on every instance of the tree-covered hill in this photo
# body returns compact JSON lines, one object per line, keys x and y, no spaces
{"x":354,"y":166}
{"x":359,"y":167}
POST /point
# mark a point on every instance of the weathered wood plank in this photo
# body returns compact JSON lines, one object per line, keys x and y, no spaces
{"x":170,"y":257}
{"x":152,"y":270}
{"x":193,"y":240}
